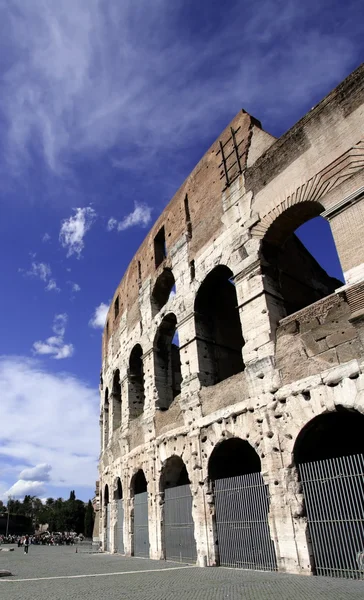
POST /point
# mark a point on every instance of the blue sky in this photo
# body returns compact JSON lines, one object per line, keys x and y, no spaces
{"x":105,"y":107}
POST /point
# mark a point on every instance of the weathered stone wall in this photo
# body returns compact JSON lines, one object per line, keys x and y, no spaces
{"x":293,"y":367}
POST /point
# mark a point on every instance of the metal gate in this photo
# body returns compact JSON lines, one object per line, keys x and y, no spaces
{"x":242,"y":506}
{"x":334,"y":498}
{"x":141,"y":533}
{"x":120,"y":527}
{"x":108,"y":529}
{"x":179,"y":536}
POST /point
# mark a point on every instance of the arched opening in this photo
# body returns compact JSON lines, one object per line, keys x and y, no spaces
{"x":241,"y":501}
{"x":218,"y":327}
{"x":178,"y":538}
{"x":107,"y":519}
{"x":329,"y":454}
{"x":106,"y":418}
{"x":119,"y":526}
{"x":116,"y":400}
{"x":163,"y":287}
{"x":296,"y":250}
{"x":136,"y":382}
{"x":140,"y":530}
{"x":167,"y":363}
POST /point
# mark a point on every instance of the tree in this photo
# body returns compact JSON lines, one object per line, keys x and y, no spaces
{"x":89,"y":520}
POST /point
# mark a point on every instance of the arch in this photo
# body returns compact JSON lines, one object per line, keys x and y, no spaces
{"x":167,"y":362}
{"x":292,"y":274}
{"x":106,"y":417}
{"x":329,"y":454}
{"x":106,"y":495}
{"x":241,"y":500}
{"x":139,"y":515}
{"x":118,"y":491}
{"x":116,"y":400}
{"x":231,"y":458}
{"x":218,"y":328}
{"x":136,"y":382}
{"x":174,"y":473}
{"x":177,"y":525}
{"x":107,"y":519}
{"x":330,"y":435}
{"x":119,"y":524}
{"x":162,"y":289}
{"x":138,"y":484}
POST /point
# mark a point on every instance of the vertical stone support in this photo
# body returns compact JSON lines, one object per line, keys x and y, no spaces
{"x":113,"y":524}
{"x":153,"y":515}
{"x":124,"y":401}
{"x":190,"y":369}
{"x":346,"y":219}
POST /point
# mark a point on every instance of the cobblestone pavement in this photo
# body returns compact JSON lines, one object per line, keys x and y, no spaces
{"x":58,"y":573}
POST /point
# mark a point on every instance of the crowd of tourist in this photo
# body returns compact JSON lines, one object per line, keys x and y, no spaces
{"x":48,"y":539}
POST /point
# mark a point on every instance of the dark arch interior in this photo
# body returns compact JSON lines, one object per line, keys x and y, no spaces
{"x":295,"y":274}
{"x":330,"y":435}
{"x":167,"y":362}
{"x":218,"y":328}
{"x":162,"y":289}
{"x":231,"y":458}
{"x":139,"y":483}
{"x":116,"y":399}
{"x":174,"y":473}
{"x":106,"y":495}
{"x":118,"y":490}
{"x":136,"y":382}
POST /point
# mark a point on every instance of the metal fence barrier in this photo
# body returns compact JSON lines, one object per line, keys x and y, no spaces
{"x":334,"y":499}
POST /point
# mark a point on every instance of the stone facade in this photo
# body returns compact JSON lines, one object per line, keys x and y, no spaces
{"x":224,"y":326}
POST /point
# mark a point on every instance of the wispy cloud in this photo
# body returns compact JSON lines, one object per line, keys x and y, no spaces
{"x":141,"y":215}
{"x":42,"y":271}
{"x":89,"y":76}
{"x":52,"y":286}
{"x":98,"y":319}
{"x":74,"y":229}
{"x":54,"y":346}
{"x":46,"y":237}
{"x":74,"y":286}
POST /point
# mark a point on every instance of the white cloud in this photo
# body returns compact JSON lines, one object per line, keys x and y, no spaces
{"x":98,"y":319}
{"x":39,"y":270}
{"x":42,"y":271}
{"x":52,"y":286}
{"x":74,"y":229}
{"x":141,"y":215}
{"x":54,"y":346}
{"x":89,"y":76}
{"x":74,"y":286}
{"x":38,"y":473}
{"x":51,"y":422}
{"x":21,"y":488}
{"x":46,"y":237}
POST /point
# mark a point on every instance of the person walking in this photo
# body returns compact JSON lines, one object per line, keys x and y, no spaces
{"x":26,"y":544}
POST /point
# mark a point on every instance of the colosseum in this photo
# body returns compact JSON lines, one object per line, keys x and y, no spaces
{"x":232,"y":382}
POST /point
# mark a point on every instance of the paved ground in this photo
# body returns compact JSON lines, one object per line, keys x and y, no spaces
{"x":59,"y":573}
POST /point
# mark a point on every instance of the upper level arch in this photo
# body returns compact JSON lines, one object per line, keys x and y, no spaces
{"x":167,"y":362}
{"x":136,"y":382}
{"x":106,"y":495}
{"x":218,"y":328}
{"x":294,"y":277}
{"x":116,"y":400}
{"x":164,"y":285}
